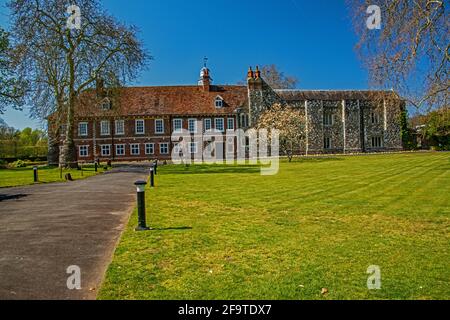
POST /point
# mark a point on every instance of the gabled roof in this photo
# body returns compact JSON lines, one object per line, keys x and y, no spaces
{"x":167,"y":100}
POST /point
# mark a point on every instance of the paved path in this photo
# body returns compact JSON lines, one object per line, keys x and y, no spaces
{"x":46,"y":228}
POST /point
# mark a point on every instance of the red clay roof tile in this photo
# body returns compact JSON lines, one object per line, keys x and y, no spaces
{"x":168,"y":100}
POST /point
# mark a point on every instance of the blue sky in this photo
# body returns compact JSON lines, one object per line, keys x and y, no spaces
{"x":312,"y":40}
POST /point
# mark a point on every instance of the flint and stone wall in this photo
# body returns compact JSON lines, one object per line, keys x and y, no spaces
{"x":352,"y":127}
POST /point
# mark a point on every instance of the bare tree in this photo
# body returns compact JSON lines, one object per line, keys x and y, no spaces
{"x":410,"y":51}
{"x":61,"y":60}
{"x":291,"y":126}
{"x":11,"y":88}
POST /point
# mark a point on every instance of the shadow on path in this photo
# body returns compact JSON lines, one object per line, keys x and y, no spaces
{"x":4,"y":197}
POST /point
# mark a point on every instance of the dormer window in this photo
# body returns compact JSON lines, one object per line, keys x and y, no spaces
{"x":106,"y":104}
{"x":219,"y":102}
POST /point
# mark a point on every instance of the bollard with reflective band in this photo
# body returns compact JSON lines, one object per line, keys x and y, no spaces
{"x":35,"y":174}
{"x":140,"y":186}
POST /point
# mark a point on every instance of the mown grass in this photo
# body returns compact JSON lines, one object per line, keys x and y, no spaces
{"x":24,"y":176}
{"x":229,"y":233}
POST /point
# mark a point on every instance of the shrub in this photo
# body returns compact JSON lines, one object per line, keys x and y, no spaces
{"x":19,"y":164}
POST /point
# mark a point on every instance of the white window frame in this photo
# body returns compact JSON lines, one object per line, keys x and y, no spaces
{"x":119,"y":133}
{"x":136,"y":126}
{"x":104,"y":123}
{"x":161,"y":121}
{"x":106,"y":104}
{"x":204,"y":124}
{"x":152,"y":148}
{"x":230,"y":120}
{"x":123,"y":148}
{"x":85,"y":147}
{"x":193,"y":147}
{"x":181,"y":124}
{"x":218,"y":102}
{"x":223,"y":124}
{"x":160,"y":148}
{"x":132,"y":145}
{"x":194,"y":120}
{"x":80,"y":131}
{"x":101,"y":150}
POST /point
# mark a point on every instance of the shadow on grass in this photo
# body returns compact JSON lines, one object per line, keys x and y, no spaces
{"x":4,"y":197}
{"x":172,"y":228}
{"x":211,"y":168}
{"x":316,"y":159}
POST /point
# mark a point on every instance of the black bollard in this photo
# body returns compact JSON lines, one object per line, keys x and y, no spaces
{"x":95,"y":166}
{"x":35,"y":174}
{"x":152,"y":177}
{"x":140,"y":185}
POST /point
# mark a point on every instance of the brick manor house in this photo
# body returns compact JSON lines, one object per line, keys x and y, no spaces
{"x":137,"y":122}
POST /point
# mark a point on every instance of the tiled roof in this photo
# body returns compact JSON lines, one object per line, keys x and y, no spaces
{"x":300,"y":95}
{"x":168,"y":100}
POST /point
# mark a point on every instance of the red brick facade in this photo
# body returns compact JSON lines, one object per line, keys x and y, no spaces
{"x":150,"y":144}
{"x":148,"y":105}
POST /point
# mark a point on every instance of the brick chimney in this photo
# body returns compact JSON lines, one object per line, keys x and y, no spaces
{"x":254,"y":80}
{"x":257,"y":73}
{"x":249,"y":73}
{"x":100,"y":87}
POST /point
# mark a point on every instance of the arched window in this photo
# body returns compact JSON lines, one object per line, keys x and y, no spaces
{"x":244,"y":120}
{"x":218,"y":102}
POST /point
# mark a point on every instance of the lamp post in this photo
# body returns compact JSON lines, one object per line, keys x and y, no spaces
{"x":35,"y":174}
{"x":140,"y":186}
{"x":152,"y":176}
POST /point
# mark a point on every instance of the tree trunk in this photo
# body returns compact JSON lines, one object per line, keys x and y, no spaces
{"x":53,"y":148}
{"x":69,"y":155}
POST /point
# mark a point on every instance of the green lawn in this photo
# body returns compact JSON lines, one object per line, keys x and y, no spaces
{"x":230,"y":233}
{"x":24,"y":176}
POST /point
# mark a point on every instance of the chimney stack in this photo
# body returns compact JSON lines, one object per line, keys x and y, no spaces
{"x":100,"y":87}
{"x":250,"y":73}
{"x":254,"y":80}
{"x":257,"y":73}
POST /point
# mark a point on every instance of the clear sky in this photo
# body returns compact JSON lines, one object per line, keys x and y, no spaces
{"x":312,"y":40}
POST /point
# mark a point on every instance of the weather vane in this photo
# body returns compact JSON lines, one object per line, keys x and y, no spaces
{"x":205,"y":60}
